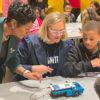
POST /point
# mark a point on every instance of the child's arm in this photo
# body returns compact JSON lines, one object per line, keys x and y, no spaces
{"x":46,"y":5}
{"x":75,"y":64}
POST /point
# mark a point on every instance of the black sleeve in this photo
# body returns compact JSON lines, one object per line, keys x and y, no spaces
{"x":46,"y":4}
{"x":74,"y":65}
{"x":32,"y":3}
{"x":23,"y":52}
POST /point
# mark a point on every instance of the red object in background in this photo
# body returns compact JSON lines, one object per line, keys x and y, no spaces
{"x":75,"y":3}
{"x":5,"y":6}
{"x":35,"y":27}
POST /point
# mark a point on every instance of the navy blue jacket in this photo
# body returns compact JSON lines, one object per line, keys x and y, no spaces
{"x":31,"y":51}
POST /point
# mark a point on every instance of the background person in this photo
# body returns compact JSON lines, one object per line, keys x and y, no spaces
{"x":49,"y":47}
{"x":88,"y":14}
{"x":69,"y":17}
{"x":76,"y":5}
{"x":37,"y":23}
{"x":95,"y":6}
{"x":38,"y":13}
{"x":43,"y":4}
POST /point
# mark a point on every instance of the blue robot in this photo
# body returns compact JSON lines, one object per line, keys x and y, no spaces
{"x":66,"y":89}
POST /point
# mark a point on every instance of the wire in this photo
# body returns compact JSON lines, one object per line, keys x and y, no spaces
{"x":39,"y":96}
{"x":79,"y":29}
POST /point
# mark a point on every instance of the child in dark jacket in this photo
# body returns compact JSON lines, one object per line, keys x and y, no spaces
{"x":84,"y":57}
{"x":69,"y":17}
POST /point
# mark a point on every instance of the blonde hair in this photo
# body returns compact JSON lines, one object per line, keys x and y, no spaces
{"x":49,"y":20}
{"x":87,"y":15}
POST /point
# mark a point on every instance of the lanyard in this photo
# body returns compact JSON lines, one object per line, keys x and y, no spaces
{"x":88,"y":57}
{"x":49,"y":57}
{"x":68,"y":19}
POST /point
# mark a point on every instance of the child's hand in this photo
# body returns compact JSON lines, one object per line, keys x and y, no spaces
{"x":67,"y":13}
{"x":95,"y":62}
{"x":34,"y":76}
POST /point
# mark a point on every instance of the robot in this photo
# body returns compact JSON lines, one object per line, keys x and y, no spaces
{"x":66,"y":89}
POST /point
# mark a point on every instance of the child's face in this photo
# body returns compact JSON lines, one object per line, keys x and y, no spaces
{"x":90,"y":39}
{"x":37,"y":13}
{"x":68,"y":8}
{"x":93,"y":7}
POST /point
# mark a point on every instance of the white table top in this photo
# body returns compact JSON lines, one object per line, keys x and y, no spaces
{"x":17,"y":91}
{"x":72,"y":30}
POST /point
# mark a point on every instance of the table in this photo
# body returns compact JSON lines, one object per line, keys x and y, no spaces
{"x":73,"y":31}
{"x":17,"y":91}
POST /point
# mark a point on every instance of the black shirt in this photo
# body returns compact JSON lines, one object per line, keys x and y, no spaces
{"x":3,"y":56}
{"x":42,"y":4}
{"x":3,"y":53}
{"x":51,"y":48}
